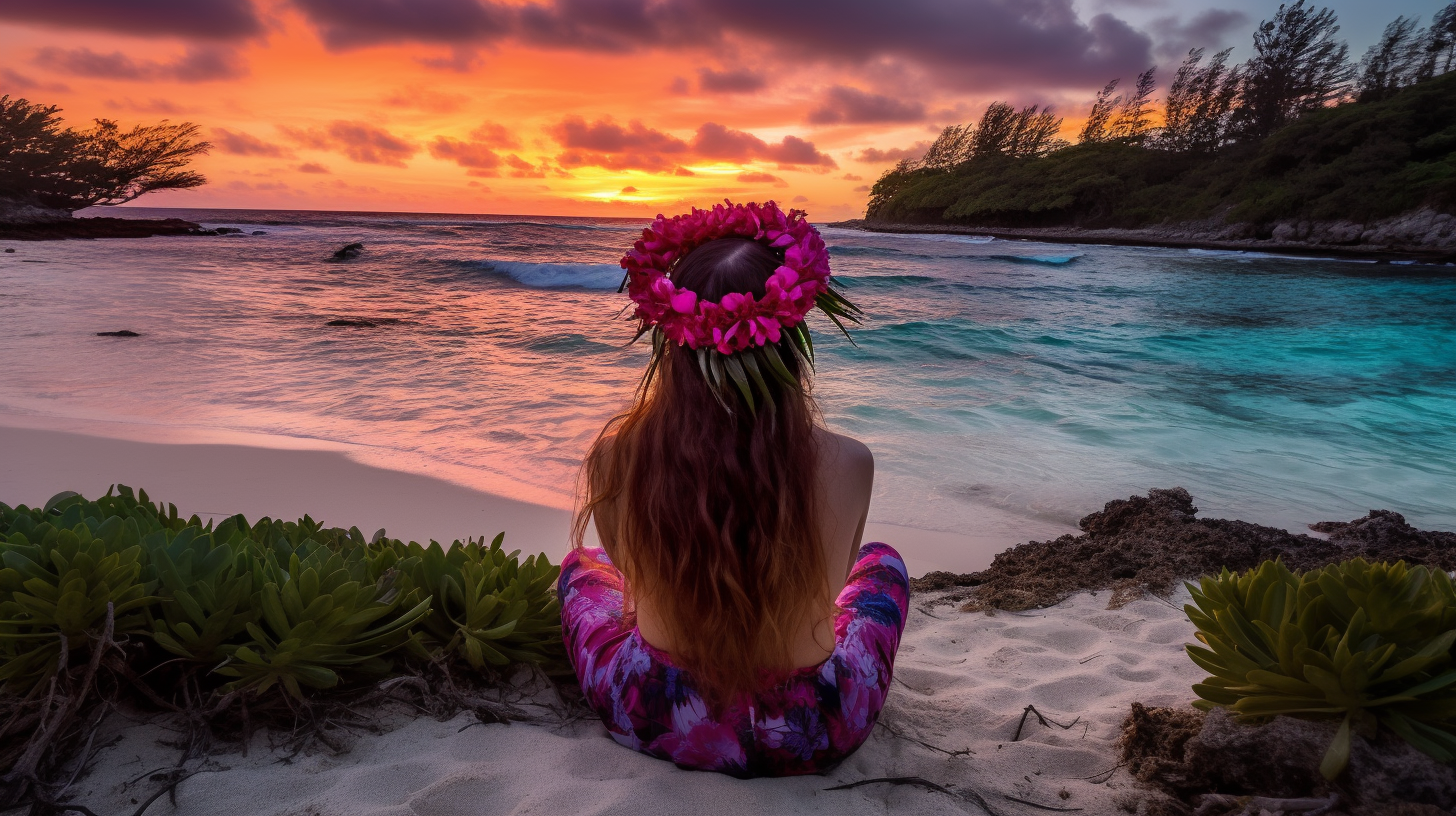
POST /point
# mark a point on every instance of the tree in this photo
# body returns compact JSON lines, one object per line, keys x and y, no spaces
{"x":1391,"y":63}
{"x":1134,"y":115}
{"x":1095,"y":129}
{"x":44,"y":163}
{"x":949,"y":149}
{"x":1297,"y":66}
{"x":1199,"y":103}
{"x":1439,"y":44}
{"x":1005,"y":131}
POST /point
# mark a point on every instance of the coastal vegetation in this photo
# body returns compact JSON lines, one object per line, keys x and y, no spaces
{"x":1365,"y":644}
{"x":1296,"y":132}
{"x":119,"y":598}
{"x":49,"y":170}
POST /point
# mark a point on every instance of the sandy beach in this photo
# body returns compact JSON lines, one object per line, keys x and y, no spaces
{"x":284,"y":478}
{"x":962,"y":684}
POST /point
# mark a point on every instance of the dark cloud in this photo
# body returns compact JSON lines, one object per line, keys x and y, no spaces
{"x":197,"y":64}
{"x":360,"y":141}
{"x":214,"y":19}
{"x":679,"y":86}
{"x":353,"y":23}
{"x":20,"y":82}
{"x":762,"y":178}
{"x":852,"y":177}
{"x":852,"y":106}
{"x":970,"y":43}
{"x":738,"y":80}
{"x":1207,"y":30}
{"x":683,"y":171}
{"x":627,"y":190}
{"x":312,"y":167}
{"x":863,"y":188}
{"x":246,"y":144}
{"x":874,"y":155}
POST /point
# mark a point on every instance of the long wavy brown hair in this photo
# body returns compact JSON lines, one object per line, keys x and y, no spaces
{"x":708,"y":507}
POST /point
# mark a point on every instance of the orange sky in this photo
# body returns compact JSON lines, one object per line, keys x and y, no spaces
{"x":307,"y":113}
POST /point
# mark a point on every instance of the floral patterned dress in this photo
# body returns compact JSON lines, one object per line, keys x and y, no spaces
{"x":806,"y":724}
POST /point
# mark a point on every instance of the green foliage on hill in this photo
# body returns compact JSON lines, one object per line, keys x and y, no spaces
{"x":1366,"y":644}
{"x":1357,"y":161}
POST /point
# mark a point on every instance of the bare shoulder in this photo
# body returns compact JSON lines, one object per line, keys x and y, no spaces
{"x":844,"y":456}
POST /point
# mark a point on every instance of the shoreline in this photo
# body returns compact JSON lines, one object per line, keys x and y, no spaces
{"x":1161,"y":237}
{"x":220,"y":474}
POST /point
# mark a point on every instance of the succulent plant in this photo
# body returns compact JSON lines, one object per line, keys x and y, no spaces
{"x":56,"y":585}
{"x":1367,"y":644}
{"x":489,"y":607}
{"x":290,"y":604}
{"x":319,"y":617}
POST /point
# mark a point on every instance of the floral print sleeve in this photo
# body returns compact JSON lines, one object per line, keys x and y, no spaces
{"x":806,"y":724}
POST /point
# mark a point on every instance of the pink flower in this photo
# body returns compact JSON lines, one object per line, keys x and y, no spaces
{"x":739,"y":320}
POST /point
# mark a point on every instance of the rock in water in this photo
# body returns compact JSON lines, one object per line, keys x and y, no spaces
{"x":122,"y":333}
{"x":9,"y":249}
{"x":349,"y":251}
{"x":228,"y":231}
{"x":260,"y":232}
{"x":363,"y":324}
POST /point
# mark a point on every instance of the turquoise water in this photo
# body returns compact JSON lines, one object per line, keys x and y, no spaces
{"x":1028,"y":379}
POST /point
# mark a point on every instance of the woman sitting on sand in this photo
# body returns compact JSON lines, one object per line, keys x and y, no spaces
{"x":732,"y":623}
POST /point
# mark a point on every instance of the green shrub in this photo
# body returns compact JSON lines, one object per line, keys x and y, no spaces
{"x":1368,"y":644}
{"x":288,"y":604}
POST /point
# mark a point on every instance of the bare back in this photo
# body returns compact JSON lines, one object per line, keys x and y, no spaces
{"x":846,"y":478}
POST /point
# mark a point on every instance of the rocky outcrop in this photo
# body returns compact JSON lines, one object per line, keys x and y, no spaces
{"x":1149,"y":543}
{"x":13,"y":211}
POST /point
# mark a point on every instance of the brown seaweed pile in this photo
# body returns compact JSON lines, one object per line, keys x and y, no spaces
{"x":1188,"y":758}
{"x":1149,"y":544}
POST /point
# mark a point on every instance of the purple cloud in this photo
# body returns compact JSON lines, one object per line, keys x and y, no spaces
{"x":1207,"y":30}
{"x":971,"y":43}
{"x":477,"y":158}
{"x":762,"y":178}
{"x":197,"y":64}
{"x":360,"y":141}
{"x":852,"y":106}
{"x":874,"y":155}
{"x":735,"y":80}
{"x":214,"y":19}
{"x":245,"y":144}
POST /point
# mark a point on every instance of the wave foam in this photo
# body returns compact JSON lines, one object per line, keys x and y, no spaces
{"x":560,"y":275}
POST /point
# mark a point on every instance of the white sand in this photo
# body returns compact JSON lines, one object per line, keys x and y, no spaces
{"x":961,"y":682}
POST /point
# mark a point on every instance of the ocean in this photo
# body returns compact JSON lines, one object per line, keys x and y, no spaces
{"x":1016,"y":379}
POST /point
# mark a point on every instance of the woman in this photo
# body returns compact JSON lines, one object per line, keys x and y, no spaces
{"x":731,"y":621}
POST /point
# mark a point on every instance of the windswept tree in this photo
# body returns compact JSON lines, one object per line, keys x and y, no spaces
{"x":1134,"y":117}
{"x":1005,"y":131}
{"x":1199,"y":103}
{"x":44,"y":163}
{"x":1298,"y":65}
{"x":1095,"y":128}
{"x":950,"y":148}
{"x":1393,"y":62}
{"x":1438,"y":46}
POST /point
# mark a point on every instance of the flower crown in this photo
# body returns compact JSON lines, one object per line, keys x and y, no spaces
{"x":741,"y":328}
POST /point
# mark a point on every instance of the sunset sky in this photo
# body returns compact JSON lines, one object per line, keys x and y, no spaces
{"x":589,"y":107}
